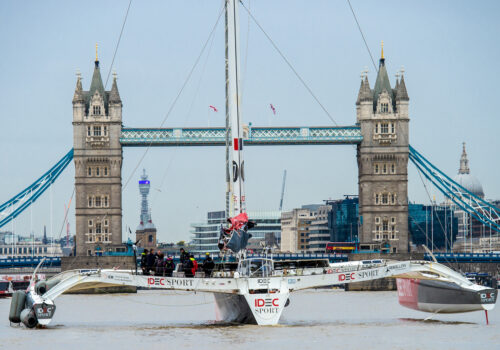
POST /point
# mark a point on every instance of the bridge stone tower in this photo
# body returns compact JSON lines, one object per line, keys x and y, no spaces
{"x":97,"y":122}
{"x":382,"y":113}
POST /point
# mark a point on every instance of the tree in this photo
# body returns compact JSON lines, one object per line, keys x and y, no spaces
{"x":181,"y":243}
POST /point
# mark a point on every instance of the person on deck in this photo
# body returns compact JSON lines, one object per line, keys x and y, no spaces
{"x":159,"y":265}
{"x":208,"y":265}
{"x":169,"y":267}
{"x":184,"y":256}
{"x":144,"y":261}
{"x":188,"y":268}
{"x":150,"y":261}
{"x":195,"y":265}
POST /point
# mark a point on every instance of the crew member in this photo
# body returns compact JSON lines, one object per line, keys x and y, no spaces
{"x":144,"y":261}
{"x":169,"y":267}
{"x":195,"y":265}
{"x":151,"y":258}
{"x":208,"y":265}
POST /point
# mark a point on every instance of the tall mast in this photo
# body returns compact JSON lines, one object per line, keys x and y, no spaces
{"x":235,"y":191}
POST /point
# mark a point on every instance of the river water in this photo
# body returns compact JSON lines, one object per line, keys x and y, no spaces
{"x":315,"y":319}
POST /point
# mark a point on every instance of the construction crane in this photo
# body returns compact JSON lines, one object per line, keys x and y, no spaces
{"x":283,"y":189}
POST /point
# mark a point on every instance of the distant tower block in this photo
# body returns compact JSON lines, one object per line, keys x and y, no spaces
{"x":146,"y":231}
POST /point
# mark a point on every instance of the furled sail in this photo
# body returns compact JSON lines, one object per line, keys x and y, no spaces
{"x":235,"y":238}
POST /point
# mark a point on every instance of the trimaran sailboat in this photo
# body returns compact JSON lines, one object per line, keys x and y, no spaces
{"x":257,"y":290}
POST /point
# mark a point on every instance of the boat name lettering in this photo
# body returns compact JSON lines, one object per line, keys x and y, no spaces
{"x":263,"y":281}
{"x":170,"y":282}
{"x":119,"y":278}
{"x":367,"y":274}
{"x":267,"y":302}
{"x":346,"y":277}
{"x":397,"y":267}
{"x":487,"y":297}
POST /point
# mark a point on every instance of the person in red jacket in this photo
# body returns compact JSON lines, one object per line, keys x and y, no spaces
{"x":195,"y":264}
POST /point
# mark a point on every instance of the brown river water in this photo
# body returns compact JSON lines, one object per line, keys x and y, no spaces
{"x":315,"y":319}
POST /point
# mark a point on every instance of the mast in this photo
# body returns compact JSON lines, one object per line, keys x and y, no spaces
{"x":235,"y":191}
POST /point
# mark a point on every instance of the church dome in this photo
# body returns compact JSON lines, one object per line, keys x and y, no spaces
{"x":470,"y":183}
{"x":465,"y":179}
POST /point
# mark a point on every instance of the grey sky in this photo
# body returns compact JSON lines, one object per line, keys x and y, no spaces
{"x":449,"y":50}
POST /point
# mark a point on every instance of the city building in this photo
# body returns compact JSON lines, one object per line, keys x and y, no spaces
{"x":295,"y":229}
{"x":97,"y":124}
{"x":206,"y":234}
{"x":145,"y":233}
{"x":319,"y":230}
{"x":436,"y":226}
{"x":382,"y":158}
{"x":343,"y":219}
{"x":18,"y":246}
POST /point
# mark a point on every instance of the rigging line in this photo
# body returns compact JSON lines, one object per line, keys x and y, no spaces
{"x":244,"y":75}
{"x":177,"y":97}
{"x":118,"y":43}
{"x":362,"y":35}
{"x":439,"y":220}
{"x":66,"y":215}
{"x":289,"y":64}
{"x":187,"y":118}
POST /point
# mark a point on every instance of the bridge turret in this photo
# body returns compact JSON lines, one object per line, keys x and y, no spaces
{"x":97,"y":120}
{"x":383,"y":162}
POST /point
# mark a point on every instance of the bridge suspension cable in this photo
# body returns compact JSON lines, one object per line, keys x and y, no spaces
{"x":21,"y":201}
{"x":479,"y":208}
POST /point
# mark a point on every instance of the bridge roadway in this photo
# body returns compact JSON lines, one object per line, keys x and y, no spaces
{"x":216,"y":136}
{"x":54,"y":262}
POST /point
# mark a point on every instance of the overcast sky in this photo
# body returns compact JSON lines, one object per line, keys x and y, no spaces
{"x":449,"y":50}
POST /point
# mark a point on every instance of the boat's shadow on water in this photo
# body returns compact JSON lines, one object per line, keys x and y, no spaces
{"x":431,"y":321}
{"x":229,"y":325}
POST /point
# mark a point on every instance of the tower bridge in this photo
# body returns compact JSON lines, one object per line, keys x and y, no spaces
{"x":380,"y":134}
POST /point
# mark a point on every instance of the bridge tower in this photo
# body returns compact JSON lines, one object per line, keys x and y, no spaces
{"x":382,"y":113}
{"x":97,"y":122}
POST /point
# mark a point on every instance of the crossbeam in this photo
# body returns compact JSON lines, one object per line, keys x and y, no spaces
{"x":253,"y":136}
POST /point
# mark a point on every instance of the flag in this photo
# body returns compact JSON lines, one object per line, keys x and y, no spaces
{"x":273,"y":109}
{"x":213,"y":108}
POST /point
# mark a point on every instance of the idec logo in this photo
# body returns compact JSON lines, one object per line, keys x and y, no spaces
{"x":268,"y":302}
{"x":346,"y":277}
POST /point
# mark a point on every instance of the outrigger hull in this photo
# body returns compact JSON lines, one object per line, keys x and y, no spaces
{"x":443,"y":297}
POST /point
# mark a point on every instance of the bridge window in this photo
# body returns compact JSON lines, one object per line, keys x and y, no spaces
{"x":89,"y":131}
{"x":376,"y":198}
{"x":97,"y":171}
{"x":392,"y":128}
{"x":385,"y":199}
{"x":376,"y":168}
{"x":393,"y":198}
{"x":96,"y":110}
{"x":106,"y":222}
{"x":89,"y":252}
{"x":385,"y":225}
{"x":98,"y":227}
{"x":377,"y":220}
{"x":91,"y":231}
{"x":105,"y":171}
{"x":91,"y":223}
{"x":384,"y":107}
{"x":393,"y":168}
{"x":97,"y":130}
{"x":105,"y":130}
{"x":90,"y":171}
{"x":393,"y":220}
{"x":384,"y":128}
{"x":105,"y":230}
{"x":376,"y":128}
{"x":97,"y":202}
{"x":90,"y":202}
{"x":384,"y":168}
{"x":105,"y":201}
